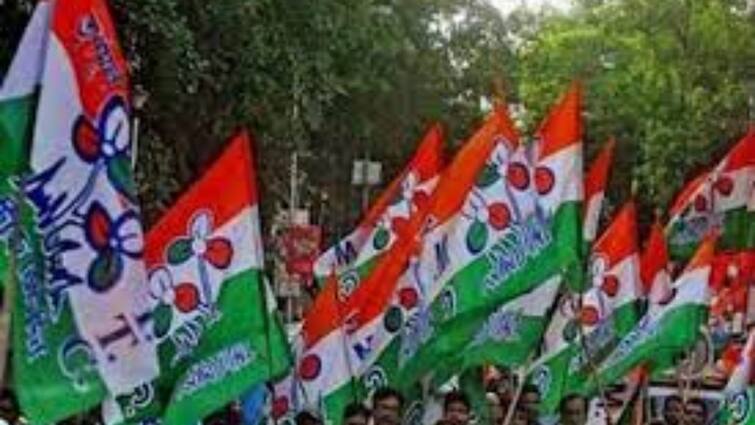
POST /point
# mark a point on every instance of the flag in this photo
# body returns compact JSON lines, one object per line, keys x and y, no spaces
{"x":654,"y":267}
{"x":607,"y":311}
{"x":595,"y":189}
{"x":664,"y":333}
{"x":559,"y":177}
{"x":737,"y":409}
{"x":514,"y":331}
{"x":489,"y":233}
{"x":543,"y":238}
{"x":18,"y":93}
{"x":354,"y":255}
{"x":213,"y":315}
{"x":331,"y":383}
{"x":78,"y":320}
{"x":741,"y":377}
{"x":716,"y":200}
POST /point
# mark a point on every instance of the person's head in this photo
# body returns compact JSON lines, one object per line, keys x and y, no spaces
{"x":356,"y":414}
{"x":573,"y":410}
{"x":308,"y":417}
{"x":673,"y":410}
{"x":456,"y":408}
{"x":521,"y":416}
{"x":497,"y":413}
{"x":696,"y":412}
{"x":530,"y":400}
{"x":8,"y":405}
{"x":387,"y":404}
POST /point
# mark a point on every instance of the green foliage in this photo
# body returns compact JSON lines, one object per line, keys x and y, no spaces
{"x":337,"y":80}
{"x":670,"y":79}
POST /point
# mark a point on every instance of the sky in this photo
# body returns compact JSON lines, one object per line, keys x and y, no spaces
{"x":507,"y":6}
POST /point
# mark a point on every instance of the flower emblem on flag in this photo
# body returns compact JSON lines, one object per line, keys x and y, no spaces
{"x":484,"y":215}
{"x":106,"y":145}
{"x":198,"y":244}
{"x":112,"y":240}
{"x":409,"y":199}
{"x":310,"y":367}
{"x":545,"y":180}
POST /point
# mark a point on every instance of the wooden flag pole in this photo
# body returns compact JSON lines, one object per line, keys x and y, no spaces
{"x":519,"y":388}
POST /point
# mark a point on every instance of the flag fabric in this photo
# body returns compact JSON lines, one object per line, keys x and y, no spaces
{"x":47,"y":389}
{"x":595,"y":189}
{"x":514,"y":331}
{"x":664,"y":333}
{"x":654,"y":267}
{"x":353,"y":256}
{"x":488,"y":234}
{"x":213,"y":315}
{"x":716,"y":200}
{"x":78,"y":319}
{"x":737,"y":409}
{"x":338,"y":360}
{"x":324,"y":370}
{"x":741,"y":377}
{"x":559,"y":179}
{"x":18,"y":93}
{"x":341,"y":356}
{"x":607,"y":311}
{"x":543,"y":239}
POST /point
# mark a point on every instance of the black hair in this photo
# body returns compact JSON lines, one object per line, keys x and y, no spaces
{"x":383,"y":393}
{"x":305,"y":417}
{"x":669,"y":399}
{"x":700,"y":403}
{"x":530,"y":388}
{"x":356,"y":409}
{"x":456,"y":397}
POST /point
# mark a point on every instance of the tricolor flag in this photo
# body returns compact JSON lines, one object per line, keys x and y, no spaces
{"x":671,"y":329}
{"x":331,"y":383}
{"x":381,"y":307}
{"x":479,"y":255}
{"x":595,"y":190}
{"x":716,"y":200}
{"x":352,"y":257}
{"x":742,"y":376}
{"x":213,"y":316}
{"x":739,"y":406}
{"x":654,"y":268}
{"x":559,"y":179}
{"x":82,"y":323}
{"x":606,"y":312}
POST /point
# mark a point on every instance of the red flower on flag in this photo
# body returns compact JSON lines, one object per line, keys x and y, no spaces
{"x":107,"y":144}
{"x":111,"y":240}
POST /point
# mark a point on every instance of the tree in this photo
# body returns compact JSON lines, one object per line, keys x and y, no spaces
{"x":669,"y":79}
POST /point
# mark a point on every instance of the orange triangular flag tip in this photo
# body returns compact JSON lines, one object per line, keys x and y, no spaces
{"x":654,"y":257}
{"x":428,"y":161}
{"x":324,"y":315}
{"x":602,"y":164}
{"x":705,"y":253}
{"x":563,"y":125}
{"x":597,"y":176}
{"x":620,"y":238}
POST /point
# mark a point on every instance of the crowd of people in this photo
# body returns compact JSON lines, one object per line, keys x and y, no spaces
{"x":387,"y":407}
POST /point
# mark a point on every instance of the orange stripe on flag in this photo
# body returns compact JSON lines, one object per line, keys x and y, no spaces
{"x":563,"y":125}
{"x":227,"y":187}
